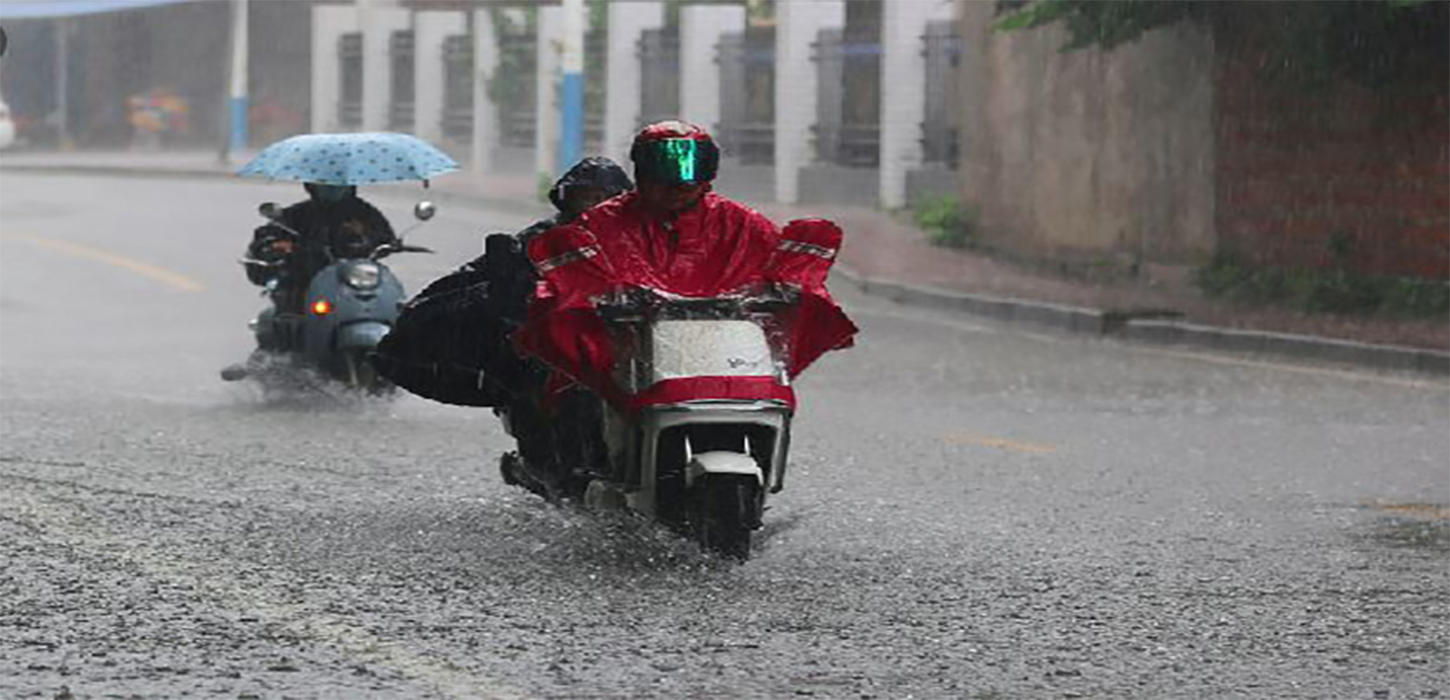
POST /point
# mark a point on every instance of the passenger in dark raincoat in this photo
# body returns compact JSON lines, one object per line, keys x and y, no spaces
{"x":451,"y":343}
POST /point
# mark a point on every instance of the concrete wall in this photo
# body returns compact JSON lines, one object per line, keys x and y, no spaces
{"x":1089,"y":154}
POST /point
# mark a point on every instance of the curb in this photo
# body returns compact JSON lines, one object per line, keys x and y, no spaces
{"x":1155,"y":331}
{"x":1073,"y":319}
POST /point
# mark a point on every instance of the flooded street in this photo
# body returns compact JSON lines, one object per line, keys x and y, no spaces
{"x":973,"y":510}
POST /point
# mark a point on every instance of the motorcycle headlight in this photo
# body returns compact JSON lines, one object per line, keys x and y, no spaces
{"x":362,"y":275}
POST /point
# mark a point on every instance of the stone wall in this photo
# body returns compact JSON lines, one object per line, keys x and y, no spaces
{"x":1089,"y":155}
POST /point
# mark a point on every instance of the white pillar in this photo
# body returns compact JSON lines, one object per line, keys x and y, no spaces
{"x":379,"y":21}
{"x":700,"y":30}
{"x":628,"y":20}
{"x":797,"y":24}
{"x":430,"y":30}
{"x":329,"y":23}
{"x":485,"y":112}
{"x":571,"y":89}
{"x":546,"y":112}
{"x":903,"y":91}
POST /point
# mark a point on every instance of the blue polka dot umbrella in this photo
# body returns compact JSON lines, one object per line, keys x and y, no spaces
{"x":350,"y":159}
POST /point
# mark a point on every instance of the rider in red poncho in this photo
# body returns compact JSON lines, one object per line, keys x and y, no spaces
{"x":673,"y":235}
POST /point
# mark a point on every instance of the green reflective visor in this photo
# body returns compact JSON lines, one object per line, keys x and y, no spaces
{"x":676,"y":161}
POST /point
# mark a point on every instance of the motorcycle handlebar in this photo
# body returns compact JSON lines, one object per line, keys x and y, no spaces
{"x":637,"y":303}
{"x":387,"y":249}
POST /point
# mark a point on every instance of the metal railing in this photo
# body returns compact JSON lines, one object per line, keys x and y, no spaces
{"x":659,"y":74}
{"x":512,"y":88}
{"x":401,"y":79}
{"x":848,"y":106}
{"x":457,"y":119}
{"x":596,"y":63}
{"x":747,"y":95}
{"x":350,"y":79}
{"x":942,"y":48}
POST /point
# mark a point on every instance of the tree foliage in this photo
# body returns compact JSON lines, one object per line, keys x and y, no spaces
{"x":1101,"y":23}
{"x":1376,"y":42}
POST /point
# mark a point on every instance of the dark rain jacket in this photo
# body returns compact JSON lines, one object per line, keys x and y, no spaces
{"x":345,"y":229}
{"x":452,"y":342}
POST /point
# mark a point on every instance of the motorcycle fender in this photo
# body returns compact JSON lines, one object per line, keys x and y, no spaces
{"x":722,"y":462}
{"x":361,"y":335}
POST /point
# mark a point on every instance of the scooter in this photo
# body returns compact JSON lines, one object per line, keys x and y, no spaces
{"x":706,"y":432}
{"x":349,"y":305}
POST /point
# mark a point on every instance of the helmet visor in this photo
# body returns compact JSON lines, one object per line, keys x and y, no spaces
{"x":676,"y":161}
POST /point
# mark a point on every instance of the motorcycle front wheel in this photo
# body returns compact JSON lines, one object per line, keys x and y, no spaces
{"x":359,"y":373}
{"x":724,"y":510}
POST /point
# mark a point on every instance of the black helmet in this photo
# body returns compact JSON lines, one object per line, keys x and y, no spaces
{"x":595,"y":171}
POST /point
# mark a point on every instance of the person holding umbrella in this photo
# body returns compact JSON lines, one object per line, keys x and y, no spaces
{"x":333,"y":222}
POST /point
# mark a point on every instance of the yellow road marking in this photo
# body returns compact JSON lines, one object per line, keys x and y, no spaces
{"x":1418,"y":511}
{"x":162,"y":275}
{"x":999,"y":443}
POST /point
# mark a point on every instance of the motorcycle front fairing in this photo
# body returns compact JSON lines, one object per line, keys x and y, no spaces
{"x":337,"y":315}
{"x":566,"y":331}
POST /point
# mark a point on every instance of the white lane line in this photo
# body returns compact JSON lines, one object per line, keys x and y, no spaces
{"x":162,"y":275}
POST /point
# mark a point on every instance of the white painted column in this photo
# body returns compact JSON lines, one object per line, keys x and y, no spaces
{"x":546,"y":112}
{"x":903,"y":91}
{"x":379,"y":21}
{"x":628,"y":20}
{"x":329,"y":23}
{"x":700,"y":30}
{"x":485,"y":112}
{"x":430,"y":29}
{"x":797,"y":24}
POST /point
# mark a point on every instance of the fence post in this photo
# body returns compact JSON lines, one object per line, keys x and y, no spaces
{"x":701,"y":27}
{"x":571,"y":134}
{"x":329,"y":24}
{"x":485,"y":112}
{"x":546,"y":91}
{"x":903,"y":92}
{"x":627,"y":22}
{"x":433,"y":29}
{"x":797,"y":24}
{"x":378,"y":25}
{"x":237,"y":95}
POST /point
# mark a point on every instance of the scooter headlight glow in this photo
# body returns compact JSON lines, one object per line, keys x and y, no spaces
{"x":362,"y":275}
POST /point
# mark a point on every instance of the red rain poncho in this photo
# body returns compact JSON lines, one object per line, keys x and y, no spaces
{"x":715,"y":248}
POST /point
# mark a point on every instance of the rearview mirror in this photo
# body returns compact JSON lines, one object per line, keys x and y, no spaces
{"x":424,"y":211}
{"x":270,"y":211}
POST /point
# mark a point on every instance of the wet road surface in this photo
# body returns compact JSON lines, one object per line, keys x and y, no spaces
{"x":974,"y":510}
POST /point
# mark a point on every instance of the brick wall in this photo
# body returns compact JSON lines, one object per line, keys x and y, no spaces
{"x":1301,"y":172}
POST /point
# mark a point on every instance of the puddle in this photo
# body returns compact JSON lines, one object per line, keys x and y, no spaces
{"x":1414,"y":525}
